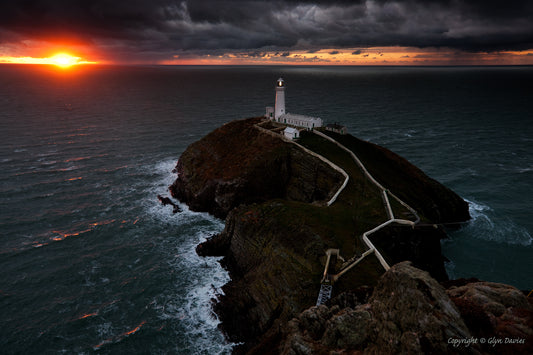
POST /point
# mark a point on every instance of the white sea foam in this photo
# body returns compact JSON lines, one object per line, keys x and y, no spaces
{"x":525,"y":170}
{"x":478,"y":211}
{"x":486,"y":224}
{"x":190,"y":304}
{"x":410,"y":133}
{"x":195,"y":309}
{"x":163,"y":178}
{"x":203,"y":277}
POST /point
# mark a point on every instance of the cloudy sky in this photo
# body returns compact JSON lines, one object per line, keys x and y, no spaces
{"x":271,"y":32}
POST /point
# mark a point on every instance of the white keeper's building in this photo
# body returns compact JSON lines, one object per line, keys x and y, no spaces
{"x":279,"y":114}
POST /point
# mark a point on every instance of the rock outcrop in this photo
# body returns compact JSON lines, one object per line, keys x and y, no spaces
{"x":410,"y":313}
{"x":497,"y":311}
{"x":273,"y":196}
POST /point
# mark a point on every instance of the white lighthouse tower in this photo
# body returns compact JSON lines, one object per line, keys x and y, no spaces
{"x":280,"y":99}
{"x":278,"y":114}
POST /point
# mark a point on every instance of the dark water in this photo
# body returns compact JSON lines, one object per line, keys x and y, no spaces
{"x":90,"y":261}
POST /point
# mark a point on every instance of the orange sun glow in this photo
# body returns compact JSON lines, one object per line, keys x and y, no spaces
{"x":62,"y":60}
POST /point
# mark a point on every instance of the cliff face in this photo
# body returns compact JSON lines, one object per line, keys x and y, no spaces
{"x":274,"y":267}
{"x":272,"y":194}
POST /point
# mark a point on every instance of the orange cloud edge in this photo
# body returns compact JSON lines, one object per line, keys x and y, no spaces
{"x":356,"y":56}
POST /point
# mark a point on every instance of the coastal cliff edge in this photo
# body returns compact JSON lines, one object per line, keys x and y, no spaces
{"x":278,"y":226}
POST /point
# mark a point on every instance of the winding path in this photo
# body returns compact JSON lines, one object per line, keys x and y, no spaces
{"x":328,"y":279}
{"x":308,"y":151}
{"x":385,"y":193}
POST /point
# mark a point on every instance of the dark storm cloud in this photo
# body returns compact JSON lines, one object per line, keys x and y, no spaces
{"x":164,"y":26}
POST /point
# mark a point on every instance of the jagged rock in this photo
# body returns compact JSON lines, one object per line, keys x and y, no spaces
{"x":409,"y":312}
{"x":167,"y":201}
{"x":496,"y":310}
{"x":352,"y":298}
{"x":413,"y":313}
{"x":347,"y":329}
{"x":314,"y":321}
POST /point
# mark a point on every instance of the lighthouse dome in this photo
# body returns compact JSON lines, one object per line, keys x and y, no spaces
{"x":280,"y":83}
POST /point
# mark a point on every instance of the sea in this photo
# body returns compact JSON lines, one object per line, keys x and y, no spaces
{"x":91,"y":262}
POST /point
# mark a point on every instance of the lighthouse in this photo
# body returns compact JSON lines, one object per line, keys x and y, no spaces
{"x":278,"y":114}
{"x":280,"y":99}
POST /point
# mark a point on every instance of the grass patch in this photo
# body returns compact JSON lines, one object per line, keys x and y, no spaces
{"x":358,"y":209}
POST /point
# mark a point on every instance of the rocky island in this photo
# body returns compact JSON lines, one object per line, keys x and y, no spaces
{"x":276,"y":197}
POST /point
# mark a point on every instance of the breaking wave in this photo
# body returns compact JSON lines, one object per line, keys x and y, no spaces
{"x":486,"y":224}
{"x":201,"y":278}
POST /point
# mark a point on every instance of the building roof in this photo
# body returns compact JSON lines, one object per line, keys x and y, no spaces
{"x":290,"y":130}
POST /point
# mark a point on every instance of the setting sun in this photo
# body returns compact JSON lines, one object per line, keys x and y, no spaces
{"x":64,"y":60}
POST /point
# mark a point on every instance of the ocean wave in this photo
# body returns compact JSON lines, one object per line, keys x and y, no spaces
{"x":194,"y":310}
{"x":47,"y":162}
{"x":486,"y":224}
{"x":525,"y":170}
{"x":410,"y":133}
{"x":477,"y":209}
{"x":163,"y":177}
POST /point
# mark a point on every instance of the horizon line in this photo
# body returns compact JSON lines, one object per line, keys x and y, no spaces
{"x":271,"y":65}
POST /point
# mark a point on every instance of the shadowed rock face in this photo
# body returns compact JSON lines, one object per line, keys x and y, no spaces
{"x":274,"y":274}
